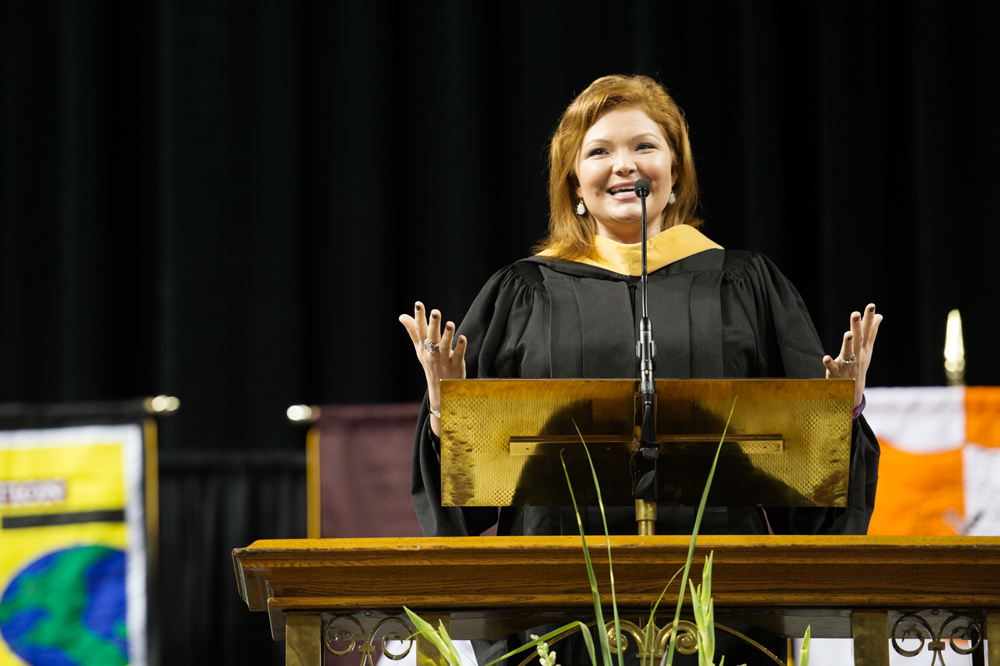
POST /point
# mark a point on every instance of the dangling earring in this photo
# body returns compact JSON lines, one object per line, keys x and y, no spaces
{"x":672,"y":198}
{"x":581,"y":210}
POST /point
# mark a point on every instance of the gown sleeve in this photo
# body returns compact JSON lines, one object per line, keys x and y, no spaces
{"x":492,"y":327}
{"x":787,"y":345}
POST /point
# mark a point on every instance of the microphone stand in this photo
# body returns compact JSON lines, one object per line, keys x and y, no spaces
{"x":644,"y":481}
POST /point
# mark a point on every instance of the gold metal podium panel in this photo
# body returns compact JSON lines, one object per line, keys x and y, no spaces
{"x":788,"y":444}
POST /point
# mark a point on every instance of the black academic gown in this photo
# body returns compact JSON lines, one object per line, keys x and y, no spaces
{"x":715,"y":314}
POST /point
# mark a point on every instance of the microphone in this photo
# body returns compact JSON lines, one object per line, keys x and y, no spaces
{"x":644,"y":465}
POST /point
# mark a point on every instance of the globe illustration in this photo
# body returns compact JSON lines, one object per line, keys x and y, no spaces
{"x":68,"y":609}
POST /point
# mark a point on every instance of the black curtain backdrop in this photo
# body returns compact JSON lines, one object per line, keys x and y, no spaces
{"x":232,"y":202}
{"x":212,"y":503}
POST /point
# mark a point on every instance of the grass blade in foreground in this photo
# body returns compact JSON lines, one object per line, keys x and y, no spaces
{"x":651,"y":622}
{"x":441,"y":640}
{"x":555,"y":633}
{"x":668,"y":658}
{"x":704,"y":615}
{"x":598,"y":613}
{"x":437,"y":637}
{"x":607,"y":541}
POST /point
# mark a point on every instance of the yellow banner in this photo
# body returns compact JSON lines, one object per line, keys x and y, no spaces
{"x":72,"y":547}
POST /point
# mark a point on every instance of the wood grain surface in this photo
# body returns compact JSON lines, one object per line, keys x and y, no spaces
{"x":538,"y":573}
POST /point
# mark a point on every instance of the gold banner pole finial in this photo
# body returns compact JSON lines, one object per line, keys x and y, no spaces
{"x":954,"y":350}
{"x":161,"y":405}
{"x":301,"y":414}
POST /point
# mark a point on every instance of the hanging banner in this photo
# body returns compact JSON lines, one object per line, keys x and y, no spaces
{"x":72,"y":547}
{"x":939,"y":472}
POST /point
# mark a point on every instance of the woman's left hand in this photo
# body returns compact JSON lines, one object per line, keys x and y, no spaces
{"x":856,"y":352}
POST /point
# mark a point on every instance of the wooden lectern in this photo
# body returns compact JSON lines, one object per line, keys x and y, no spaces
{"x":870,"y":589}
{"x":788,"y":445}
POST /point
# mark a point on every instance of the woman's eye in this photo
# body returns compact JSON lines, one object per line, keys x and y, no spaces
{"x":597,"y":151}
{"x":645,"y":146}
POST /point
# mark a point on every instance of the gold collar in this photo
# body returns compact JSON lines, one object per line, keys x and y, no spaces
{"x":670,"y":245}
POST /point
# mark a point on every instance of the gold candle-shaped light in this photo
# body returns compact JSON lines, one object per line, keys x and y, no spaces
{"x":954,"y":350}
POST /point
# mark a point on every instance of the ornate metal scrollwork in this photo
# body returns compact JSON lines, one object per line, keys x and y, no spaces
{"x":350,"y":628}
{"x":687,"y":632}
{"x":687,"y":642}
{"x":687,"y":638}
{"x":914,"y":626}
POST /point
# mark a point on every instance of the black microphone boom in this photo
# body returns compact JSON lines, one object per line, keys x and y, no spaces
{"x":644,"y":465}
{"x":642,"y":191}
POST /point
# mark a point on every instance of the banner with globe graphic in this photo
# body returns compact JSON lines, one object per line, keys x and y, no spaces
{"x":72,"y":547}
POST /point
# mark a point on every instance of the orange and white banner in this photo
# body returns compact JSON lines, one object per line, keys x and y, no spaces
{"x":940,"y":467}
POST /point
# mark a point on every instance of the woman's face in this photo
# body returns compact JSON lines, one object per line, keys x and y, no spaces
{"x":623,"y":146}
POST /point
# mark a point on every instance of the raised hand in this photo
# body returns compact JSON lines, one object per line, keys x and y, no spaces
{"x":435,"y":353}
{"x":856,"y":351}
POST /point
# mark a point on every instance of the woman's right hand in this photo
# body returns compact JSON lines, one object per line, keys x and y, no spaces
{"x":435,"y":353}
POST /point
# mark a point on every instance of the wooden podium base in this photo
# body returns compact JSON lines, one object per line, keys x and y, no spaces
{"x":870,"y":589}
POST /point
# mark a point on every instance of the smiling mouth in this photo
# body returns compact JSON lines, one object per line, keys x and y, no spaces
{"x":625,"y":189}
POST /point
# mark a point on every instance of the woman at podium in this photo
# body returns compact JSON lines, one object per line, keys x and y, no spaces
{"x":568,"y":311}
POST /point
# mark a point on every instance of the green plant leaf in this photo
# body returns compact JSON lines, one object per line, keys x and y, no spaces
{"x":443,"y":643}
{"x":804,"y":652}
{"x":652,"y":617}
{"x":710,"y":623}
{"x":701,"y":606}
{"x":699,"y":620}
{"x":598,"y":612}
{"x":669,"y":656}
{"x":696,"y":604}
{"x":707,"y":627}
{"x":454,"y":655}
{"x":607,"y":541}
{"x":706,"y":580}
{"x":584,"y":629}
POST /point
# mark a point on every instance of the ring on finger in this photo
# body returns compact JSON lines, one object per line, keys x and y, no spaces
{"x":431,"y":347}
{"x":848,"y":361}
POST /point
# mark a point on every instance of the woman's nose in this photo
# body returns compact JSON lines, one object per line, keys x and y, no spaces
{"x":624,"y":164}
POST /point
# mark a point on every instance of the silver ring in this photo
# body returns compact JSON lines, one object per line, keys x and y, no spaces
{"x":431,"y":347}
{"x":850,"y":361}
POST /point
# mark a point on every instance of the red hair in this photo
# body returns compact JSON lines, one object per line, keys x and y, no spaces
{"x":572,"y":236}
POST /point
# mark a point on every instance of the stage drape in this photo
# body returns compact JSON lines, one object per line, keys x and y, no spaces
{"x":210,"y":503}
{"x":232,"y":202}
